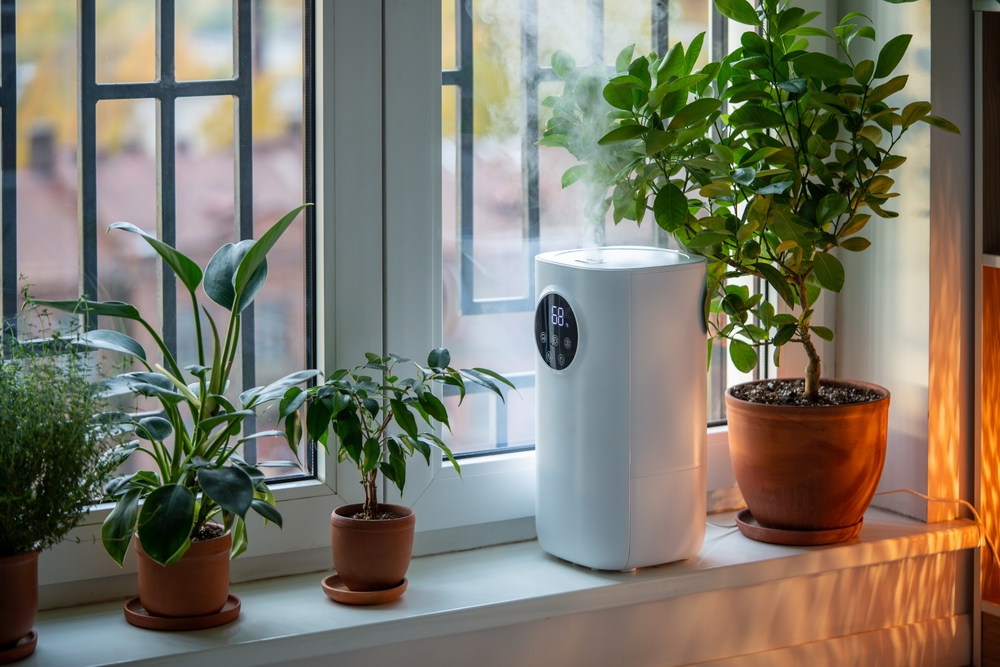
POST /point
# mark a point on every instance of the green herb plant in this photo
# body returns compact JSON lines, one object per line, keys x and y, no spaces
{"x":361,"y":406}
{"x":201,"y":477}
{"x":52,"y":454}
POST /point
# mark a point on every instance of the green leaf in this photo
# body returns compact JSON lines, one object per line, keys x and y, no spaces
{"x":829,"y":271}
{"x":230,"y":487}
{"x":941,"y":124}
{"x":620,"y":97}
{"x":165,"y":523}
{"x":573,"y":174}
{"x":106,"y":339}
{"x":621,"y":133}
{"x":830,"y":207}
{"x":867,"y":31}
{"x":403,"y":417}
{"x":621,"y":62}
{"x":258,"y":251}
{"x":672,"y":64}
{"x":116,"y":533}
{"x":373,"y":455}
{"x":855,"y":244}
{"x":292,"y":401}
{"x":809,"y":31}
{"x":744,"y":356}
{"x":823,"y":66}
{"x":482,"y":380}
{"x":755,"y":117}
{"x":744,"y":176}
{"x":276,"y":389}
{"x":189,"y":273}
{"x":154,"y":428}
{"x":822,"y":332}
{"x":563,"y":64}
{"x":439,"y":357}
{"x":695,"y":112}
{"x":221,"y":271}
{"x":103,"y":308}
{"x":913,"y":112}
{"x":703,"y":239}
{"x":785,"y":333}
{"x":864,"y":71}
{"x":496,"y":376}
{"x":318,"y":416}
{"x":893,"y":85}
{"x":693,"y":51}
{"x":266,"y":510}
{"x":738,"y":10}
{"x":775,"y":278}
{"x":670,"y":207}
{"x":435,"y":408}
{"x":891,"y":54}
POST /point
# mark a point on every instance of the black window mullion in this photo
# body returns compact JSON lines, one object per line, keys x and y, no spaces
{"x":86,"y":138}
{"x":243,"y":158}
{"x":463,"y":12}
{"x":661,"y":26}
{"x":166,"y":169}
{"x":8,"y":162}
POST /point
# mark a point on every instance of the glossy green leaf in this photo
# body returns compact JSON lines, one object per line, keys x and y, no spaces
{"x":435,"y":408}
{"x":106,"y":339}
{"x":573,"y":174}
{"x":266,"y":510}
{"x":230,"y":487}
{"x":775,"y":278}
{"x":620,"y":97}
{"x":913,"y":112}
{"x":221,"y":272}
{"x":864,"y":71}
{"x":165,"y":523}
{"x":693,"y":51}
{"x":189,"y":273}
{"x":823,"y":66}
{"x":563,"y":64}
{"x":704,"y":239}
{"x":738,"y":10}
{"x":829,"y":271}
{"x":830,"y":207}
{"x":670,"y":207}
{"x":623,"y":59}
{"x":893,"y":85}
{"x":103,"y":308}
{"x":755,"y":117}
{"x":258,"y":251}
{"x":744,"y":356}
{"x":482,"y":380}
{"x":941,"y":124}
{"x":116,"y":533}
{"x":855,"y":244}
{"x":439,"y":357}
{"x":403,"y":417}
{"x":493,"y":374}
{"x":622,"y":133}
{"x":154,"y":428}
{"x":822,"y":332}
{"x":891,"y":54}
{"x":672,"y":64}
{"x":694,"y":112}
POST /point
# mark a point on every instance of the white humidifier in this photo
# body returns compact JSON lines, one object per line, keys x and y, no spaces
{"x":620,"y":406}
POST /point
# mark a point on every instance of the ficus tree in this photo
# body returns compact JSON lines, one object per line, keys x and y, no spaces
{"x":199,"y":475}
{"x":778,"y":183}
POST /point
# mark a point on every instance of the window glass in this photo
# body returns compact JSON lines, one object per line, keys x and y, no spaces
{"x":503,"y":201}
{"x":126,"y":167}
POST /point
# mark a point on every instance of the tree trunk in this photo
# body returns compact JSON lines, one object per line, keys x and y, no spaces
{"x":813,"y":368}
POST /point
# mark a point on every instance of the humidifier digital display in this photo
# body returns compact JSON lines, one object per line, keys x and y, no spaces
{"x":556,"y":334}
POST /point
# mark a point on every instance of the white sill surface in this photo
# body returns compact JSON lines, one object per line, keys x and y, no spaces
{"x":290,"y":618}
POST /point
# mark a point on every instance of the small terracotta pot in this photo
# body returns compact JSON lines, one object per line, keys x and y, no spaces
{"x":371,"y":555}
{"x":18,"y":596}
{"x":196,"y":585}
{"x":808,"y":468}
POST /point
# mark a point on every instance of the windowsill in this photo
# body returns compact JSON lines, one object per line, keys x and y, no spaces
{"x":290,"y":618}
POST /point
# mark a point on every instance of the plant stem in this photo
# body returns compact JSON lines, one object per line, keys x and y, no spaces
{"x":815,"y":366}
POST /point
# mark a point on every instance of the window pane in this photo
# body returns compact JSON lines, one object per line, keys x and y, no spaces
{"x":488,"y":289}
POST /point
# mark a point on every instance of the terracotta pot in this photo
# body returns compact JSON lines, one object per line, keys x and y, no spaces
{"x":808,"y":468}
{"x":196,"y":585}
{"x":18,"y":596}
{"x":371,"y":555}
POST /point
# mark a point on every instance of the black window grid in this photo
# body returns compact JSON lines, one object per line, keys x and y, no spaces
{"x":165,"y":90}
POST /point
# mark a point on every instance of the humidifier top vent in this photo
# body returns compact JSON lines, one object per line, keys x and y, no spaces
{"x":620,"y":258}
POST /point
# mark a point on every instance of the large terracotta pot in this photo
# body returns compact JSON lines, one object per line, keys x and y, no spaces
{"x":18,"y":596}
{"x":371,"y":555}
{"x":196,"y":585}
{"x":808,"y":468}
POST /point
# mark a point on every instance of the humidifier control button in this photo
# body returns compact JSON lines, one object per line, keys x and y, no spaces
{"x":562,"y":360}
{"x":567,"y":343}
{"x":544,"y":338}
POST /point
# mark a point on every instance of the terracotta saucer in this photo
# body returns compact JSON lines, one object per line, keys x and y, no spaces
{"x":799,"y":538}
{"x":338,"y":592}
{"x":20,"y":649}
{"x":137,"y":615}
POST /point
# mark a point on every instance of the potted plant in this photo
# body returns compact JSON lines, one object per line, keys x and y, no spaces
{"x":372,"y":541}
{"x":795,"y":173}
{"x":188,"y":513}
{"x":52,"y":465}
